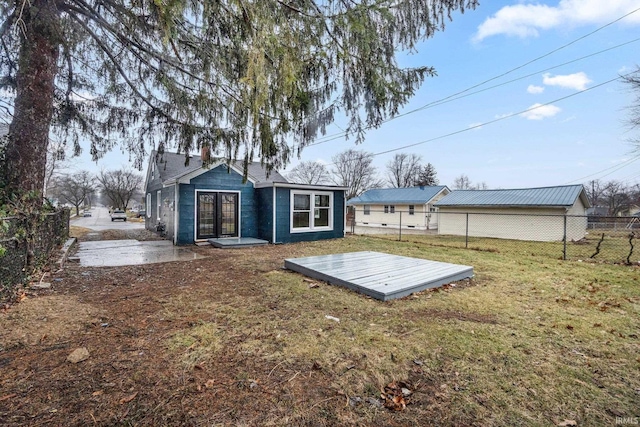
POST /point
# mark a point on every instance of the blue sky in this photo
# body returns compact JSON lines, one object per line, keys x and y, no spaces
{"x":568,"y":141}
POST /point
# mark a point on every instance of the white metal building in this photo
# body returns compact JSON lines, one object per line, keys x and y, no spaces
{"x":538,"y":214}
{"x":391,"y":207}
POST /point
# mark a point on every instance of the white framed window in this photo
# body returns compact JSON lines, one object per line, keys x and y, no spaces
{"x":148,"y":205}
{"x":412,"y":209}
{"x":392,"y":209}
{"x":386,"y":208}
{"x":367,"y":209}
{"x":159,"y":202}
{"x":311,"y":211}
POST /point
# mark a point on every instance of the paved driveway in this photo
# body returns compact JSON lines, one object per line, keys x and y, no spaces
{"x":111,"y":253}
{"x":101,"y":220}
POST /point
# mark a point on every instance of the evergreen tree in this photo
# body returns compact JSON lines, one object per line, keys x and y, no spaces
{"x":242,"y":79}
{"x":427,"y":176}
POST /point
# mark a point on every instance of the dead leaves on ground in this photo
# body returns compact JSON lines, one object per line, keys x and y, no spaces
{"x":397,"y":395}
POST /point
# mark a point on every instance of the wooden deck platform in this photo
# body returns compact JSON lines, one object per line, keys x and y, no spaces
{"x":381,"y":276}
{"x":236,"y":242}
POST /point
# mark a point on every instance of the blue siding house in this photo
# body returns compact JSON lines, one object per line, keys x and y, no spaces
{"x":196,"y":204}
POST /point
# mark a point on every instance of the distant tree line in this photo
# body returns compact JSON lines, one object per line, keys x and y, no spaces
{"x":617,"y":198}
{"x":117,"y":188}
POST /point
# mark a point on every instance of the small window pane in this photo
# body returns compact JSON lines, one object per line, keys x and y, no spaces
{"x":386,"y":208}
{"x":322,"y":201}
{"x":301,"y":202}
{"x":301,"y":220}
{"x":412,"y":209}
{"x":393,"y":209}
{"x":321,"y":218}
{"x":367,"y":209}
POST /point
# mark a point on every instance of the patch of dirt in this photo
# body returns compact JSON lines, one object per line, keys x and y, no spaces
{"x":460,"y":315}
{"x":44,"y":320}
{"x":135,"y":320}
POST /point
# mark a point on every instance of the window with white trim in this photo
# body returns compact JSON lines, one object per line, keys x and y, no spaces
{"x":392,"y":209}
{"x":148,"y":205}
{"x":386,"y":208}
{"x":412,"y":209}
{"x":367,"y":209}
{"x":159,"y":202}
{"x":311,"y":211}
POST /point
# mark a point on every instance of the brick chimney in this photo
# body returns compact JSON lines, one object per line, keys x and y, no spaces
{"x":204,"y":153}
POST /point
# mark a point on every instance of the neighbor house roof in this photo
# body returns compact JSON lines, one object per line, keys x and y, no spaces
{"x":562,"y":196}
{"x":411,"y":195}
{"x":172,"y":166}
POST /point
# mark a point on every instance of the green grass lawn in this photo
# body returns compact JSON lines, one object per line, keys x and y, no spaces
{"x":530,"y":340}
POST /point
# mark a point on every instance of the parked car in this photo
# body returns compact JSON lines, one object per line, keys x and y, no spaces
{"x":118,"y":214}
{"x":141,"y":213}
{"x":86,"y":213}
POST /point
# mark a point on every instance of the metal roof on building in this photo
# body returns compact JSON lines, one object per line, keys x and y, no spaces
{"x":561,"y":196}
{"x":411,"y":195}
{"x":172,"y":166}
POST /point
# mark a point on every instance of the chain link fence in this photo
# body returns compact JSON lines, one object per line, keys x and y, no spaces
{"x":575,"y":237}
{"x":27,"y":242}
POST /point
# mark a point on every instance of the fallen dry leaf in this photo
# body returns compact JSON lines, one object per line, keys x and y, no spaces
{"x":567,"y":423}
{"x":129,"y":398}
{"x":97,"y":393}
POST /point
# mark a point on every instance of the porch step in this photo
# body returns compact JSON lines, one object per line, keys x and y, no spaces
{"x":236,"y":242}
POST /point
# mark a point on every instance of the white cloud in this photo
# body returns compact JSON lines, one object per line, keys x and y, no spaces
{"x":535,"y":89}
{"x":476,"y":126}
{"x":503,"y":116}
{"x":577,"y":81}
{"x":527,"y":20}
{"x":538,"y":112}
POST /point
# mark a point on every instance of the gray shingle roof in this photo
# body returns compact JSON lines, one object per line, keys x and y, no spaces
{"x":172,"y":166}
{"x":562,"y":196}
{"x":411,"y":195}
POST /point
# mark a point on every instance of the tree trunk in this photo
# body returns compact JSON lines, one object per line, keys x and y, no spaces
{"x":26,"y":154}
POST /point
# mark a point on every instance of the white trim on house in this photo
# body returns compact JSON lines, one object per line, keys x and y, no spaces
{"x":300,"y":186}
{"x":312,"y":208}
{"x":148,"y":205}
{"x":176,"y":218}
{"x":188,"y":176}
{"x":195,"y":210}
{"x":273,"y":237}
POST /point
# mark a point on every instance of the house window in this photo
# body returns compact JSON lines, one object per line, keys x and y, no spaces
{"x":412,"y":209}
{"x":367,"y":209}
{"x":159,"y":202}
{"x":392,"y":209}
{"x":311,"y":211}
{"x":148,"y":205}
{"x":386,"y":208}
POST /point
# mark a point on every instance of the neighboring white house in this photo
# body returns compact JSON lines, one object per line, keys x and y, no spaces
{"x":538,"y":214}
{"x":391,"y":207}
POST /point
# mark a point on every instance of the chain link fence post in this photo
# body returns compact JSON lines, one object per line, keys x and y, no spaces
{"x":466,"y":232}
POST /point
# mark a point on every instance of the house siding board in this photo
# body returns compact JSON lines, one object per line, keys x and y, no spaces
{"x":186,"y":214}
{"x":283,"y":219}
{"x":264,"y":198}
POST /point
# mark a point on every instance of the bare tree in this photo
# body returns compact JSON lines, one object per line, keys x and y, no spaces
{"x":309,"y":173}
{"x":462,"y":183}
{"x":119,"y":186}
{"x":595,"y":189}
{"x":354,"y":169}
{"x":633,"y":81}
{"x":427,"y":176}
{"x":403,"y":170}
{"x":617,"y":197}
{"x":75,"y":188}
